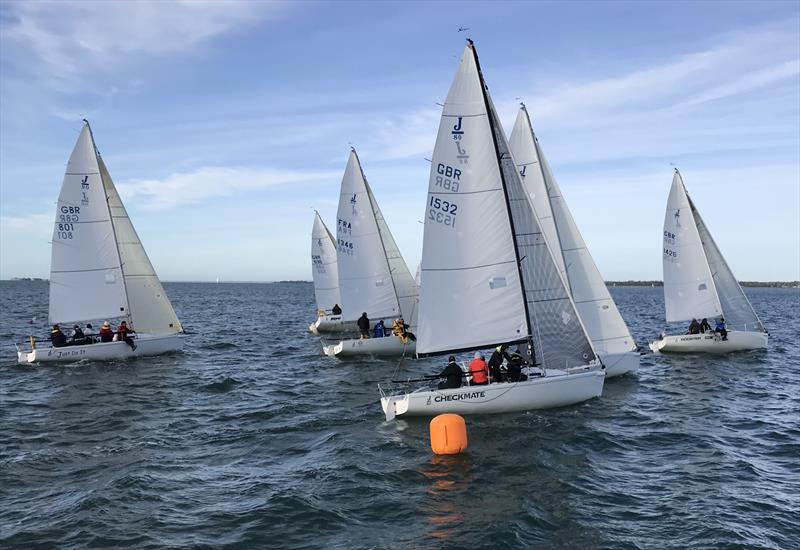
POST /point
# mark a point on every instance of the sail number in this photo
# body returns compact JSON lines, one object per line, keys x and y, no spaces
{"x":64,"y":230}
{"x":345,"y":247}
{"x":670,"y":253}
{"x":447,"y":177}
{"x":442,"y":211}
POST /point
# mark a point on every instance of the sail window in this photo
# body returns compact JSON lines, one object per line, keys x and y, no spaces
{"x":497,"y":282}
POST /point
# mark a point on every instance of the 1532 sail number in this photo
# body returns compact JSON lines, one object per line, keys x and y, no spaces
{"x":443,"y":212}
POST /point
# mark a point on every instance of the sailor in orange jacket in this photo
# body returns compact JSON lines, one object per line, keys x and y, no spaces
{"x":479,"y":370}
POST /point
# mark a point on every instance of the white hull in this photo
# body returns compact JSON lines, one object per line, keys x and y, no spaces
{"x":145,"y":345}
{"x":711,"y":343}
{"x":388,"y":345}
{"x":332,"y":323}
{"x":618,"y":364}
{"x":557,"y":389}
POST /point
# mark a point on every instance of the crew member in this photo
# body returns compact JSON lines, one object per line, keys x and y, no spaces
{"x":704,"y":326}
{"x":479,"y":370}
{"x":452,"y":374}
{"x":694,"y":327}
{"x":721,"y":328}
{"x":58,"y":338}
{"x":496,"y":360}
{"x":106,"y":333}
{"x":380,"y":330}
{"x":122,"y":334}
{"x":78,"y":338}
{"x":514,"y":367}
{"x":363,"y":325}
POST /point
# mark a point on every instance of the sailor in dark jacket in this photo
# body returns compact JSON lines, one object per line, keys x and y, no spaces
{"x":452,"y":375}
{"x":496,"y":360}
{"x":58,"y":338}
{"x":363,"y":325}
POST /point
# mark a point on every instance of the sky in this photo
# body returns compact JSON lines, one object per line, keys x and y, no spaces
{"x":225,"y":124}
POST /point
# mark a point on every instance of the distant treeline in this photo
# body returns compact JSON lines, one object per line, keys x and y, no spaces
{"x":771,"y":284}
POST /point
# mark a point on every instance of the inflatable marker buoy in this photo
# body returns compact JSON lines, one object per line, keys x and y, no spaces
{"x":448,"y":434}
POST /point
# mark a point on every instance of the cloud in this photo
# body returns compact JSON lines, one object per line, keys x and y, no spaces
{"x":69,"y":38}
{"x":212,"y":182}
{"x":37,"y":225}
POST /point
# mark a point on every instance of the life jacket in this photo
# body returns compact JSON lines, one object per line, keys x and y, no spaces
{"x":478,"y":371}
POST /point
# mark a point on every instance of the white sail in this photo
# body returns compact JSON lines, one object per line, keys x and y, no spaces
{"x":405,"y":286}
{"x":365,"y":282}
{"x":560,"y":339}
{"x":86,"y":280}
{"x":324,"y":268}
{"x":469,"y":275}
{"x":599,"y":313}
{"x":689,"y":290}
{"x":736,"y":308}
{"x":150,"y":309}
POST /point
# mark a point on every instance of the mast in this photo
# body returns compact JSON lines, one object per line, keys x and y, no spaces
{"x":113,"y":227}
{"x":380,"y":235}
{"x":492,"y":125}
{"x":549,"y":200}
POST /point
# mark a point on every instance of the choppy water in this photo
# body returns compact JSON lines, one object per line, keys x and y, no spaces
{"x":252,"y":438}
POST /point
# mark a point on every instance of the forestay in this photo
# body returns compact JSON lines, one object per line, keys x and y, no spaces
{"x":405,"y":286}
{"x":85,"y":274}
{"x":597,"y":310}
{"x":559,"y":336}
{"x":469,"y":275}
{"x":323,"y":263}
{"x":150,"y":310}
{"x":739,"y":314}
{"x":689,"y":290}
{"x":365,"y":283}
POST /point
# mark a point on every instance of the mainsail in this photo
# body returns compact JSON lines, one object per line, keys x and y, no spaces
{"x":99,"y":268}
{"x":323,"y":263}
{"x":594,"y":304}
{"x":373,"y":277}
{"x":488,"y":275}
{"x":689,"y":290}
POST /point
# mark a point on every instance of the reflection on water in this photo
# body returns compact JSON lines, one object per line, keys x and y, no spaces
{"x":449,"y":476}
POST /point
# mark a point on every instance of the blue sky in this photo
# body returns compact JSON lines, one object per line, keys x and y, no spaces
{"x":225,"y":124}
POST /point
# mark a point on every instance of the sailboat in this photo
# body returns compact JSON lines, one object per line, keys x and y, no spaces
{"x":99,"y":269}
{"x":373,"y":277}
{"x":488,"y":276}
{"x":609,"y":334}
{"x":698,"y":283}
{"x":326,"y":281}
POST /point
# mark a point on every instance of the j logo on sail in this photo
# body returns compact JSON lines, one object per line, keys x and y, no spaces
{"x":522,"y":172}
{"x":457,"y":131}
{"x":85,"y":182}
{"x":678,"y":218}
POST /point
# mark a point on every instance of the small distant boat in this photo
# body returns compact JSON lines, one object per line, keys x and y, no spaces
{"x":99,"y":269}
{"x":698,"y":283}
{"x":373,"y":277}
{"x":326,"y":281}
{"x":488,"y":276}
{"x":609,"y":334}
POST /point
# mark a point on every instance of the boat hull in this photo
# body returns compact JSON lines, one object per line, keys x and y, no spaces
{"x":618,"y":364}
{"x":103,"y":351}
{"x":386,"y":346}
{"x":710,"y":342}
{"x":332,"y":324}
{"x":557,"y":389}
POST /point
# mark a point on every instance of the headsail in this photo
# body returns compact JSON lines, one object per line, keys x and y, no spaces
{"x":365,"y":282}
{"x":689,"y":290}
{"x":150,"y":308}
{"x":86,"y":279}
{"x":736,"y":308}
{"x":324,"y":267}
{"x":594,"y":304}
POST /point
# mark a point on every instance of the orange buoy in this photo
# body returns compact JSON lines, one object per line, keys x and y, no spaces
{"x":448,"y":434}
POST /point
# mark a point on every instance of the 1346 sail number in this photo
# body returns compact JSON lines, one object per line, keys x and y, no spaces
{"x":442,"y":211}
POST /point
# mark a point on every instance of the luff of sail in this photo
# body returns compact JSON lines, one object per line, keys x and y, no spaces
{"x":689,"y":290}
{"x":594,"y":304}
{"x":470,"y":291}
{"x":365,"y":282}
{"x":324,"y":266}
{"x":86,"y":279}
{"x":151,"y":311}
{"x":736,"y":308}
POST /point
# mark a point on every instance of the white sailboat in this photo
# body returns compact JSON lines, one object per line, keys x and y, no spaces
{"x":488,"y":275}
{"x":99,"y":269}
{"x":609,"y":334}
{"x":326,"y":281}
{"x":373,"y":277}
{"x":698,"y":283}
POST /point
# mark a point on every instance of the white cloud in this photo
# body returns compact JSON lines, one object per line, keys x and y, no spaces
{"x":211,"y":182}
{"x":69,"y":38}
{"x":36,"y":225}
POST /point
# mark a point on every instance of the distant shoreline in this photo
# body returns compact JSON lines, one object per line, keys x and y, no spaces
{"x":750,"y":284}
